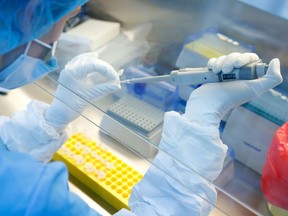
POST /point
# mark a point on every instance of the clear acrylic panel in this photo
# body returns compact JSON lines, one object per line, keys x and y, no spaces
{"x":156,"y":38}
{"x":99,"y":163}
{"x":188,"y":33}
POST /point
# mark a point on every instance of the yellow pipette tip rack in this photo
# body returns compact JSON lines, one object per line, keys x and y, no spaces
{"x":100,"y":170}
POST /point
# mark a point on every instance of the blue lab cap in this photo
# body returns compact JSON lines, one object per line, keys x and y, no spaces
{"x":24,"y":20}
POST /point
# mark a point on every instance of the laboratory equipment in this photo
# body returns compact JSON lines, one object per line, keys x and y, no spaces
{"x":137,"y":114}
{"x":99,"y":169}
{"x":162,"y":95}
{"x":264,"y":114}
{"x":249,"y":135}
{"x":199,"y":47}
{"x":135,"y":123}
{"x":206,"y":44}
{"x":106,"y":31}
{"x":194,"y":76}
{"x":272,"y":105}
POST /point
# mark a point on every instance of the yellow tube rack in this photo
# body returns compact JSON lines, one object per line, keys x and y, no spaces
{"x":99,"y":169}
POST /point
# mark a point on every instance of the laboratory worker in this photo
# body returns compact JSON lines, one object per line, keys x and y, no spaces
{"x":180,"y":180}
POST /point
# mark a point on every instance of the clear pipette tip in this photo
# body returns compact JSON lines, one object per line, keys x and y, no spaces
{"x":128,"y":81}
{"x":150,"y":79}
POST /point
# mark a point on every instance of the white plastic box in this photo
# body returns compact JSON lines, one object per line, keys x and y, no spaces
{"x":98,"y":32}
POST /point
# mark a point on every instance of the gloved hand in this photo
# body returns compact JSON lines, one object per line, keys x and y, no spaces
{"x":209,"y":103}
{"x":84,"y":79}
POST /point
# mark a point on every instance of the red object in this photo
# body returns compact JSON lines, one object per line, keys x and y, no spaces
{"x":274,"y":180}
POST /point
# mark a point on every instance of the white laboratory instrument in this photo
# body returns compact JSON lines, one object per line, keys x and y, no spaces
{"x":195,"y":76}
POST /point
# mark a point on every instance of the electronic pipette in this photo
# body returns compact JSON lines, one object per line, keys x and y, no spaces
{"x":195,"y":76}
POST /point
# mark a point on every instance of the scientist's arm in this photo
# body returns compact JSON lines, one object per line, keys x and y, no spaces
{"x":193,"y":139}
{"x":31,"y":188}
{"x":39,"y":130}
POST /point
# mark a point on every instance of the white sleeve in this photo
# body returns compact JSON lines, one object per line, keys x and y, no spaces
{"x":180,"y":181}
{"x":27,"y":132}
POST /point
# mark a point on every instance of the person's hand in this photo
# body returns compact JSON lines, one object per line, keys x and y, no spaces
{"x":209,"y":103}
{"x":84,"y":79}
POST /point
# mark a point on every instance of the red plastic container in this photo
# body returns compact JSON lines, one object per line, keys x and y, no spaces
{"x":274,"y":180}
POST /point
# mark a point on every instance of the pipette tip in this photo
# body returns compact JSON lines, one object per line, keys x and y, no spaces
{"x":128,"y":81}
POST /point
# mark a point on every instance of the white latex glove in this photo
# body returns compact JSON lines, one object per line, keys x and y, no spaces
{"x":84,"y":76}
{"x":209,"y":103}
{"x":191,"y":150}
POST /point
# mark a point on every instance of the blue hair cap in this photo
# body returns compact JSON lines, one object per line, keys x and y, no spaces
{"x":24,"y":20}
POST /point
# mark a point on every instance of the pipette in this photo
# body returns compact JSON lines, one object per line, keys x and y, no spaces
{"x":194,"y":76}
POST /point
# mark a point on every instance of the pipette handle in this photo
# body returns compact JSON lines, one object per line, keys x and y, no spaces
{"x":194,"y":76}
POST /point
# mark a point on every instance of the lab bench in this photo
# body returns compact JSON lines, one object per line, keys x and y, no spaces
{"x":151,"y":42}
